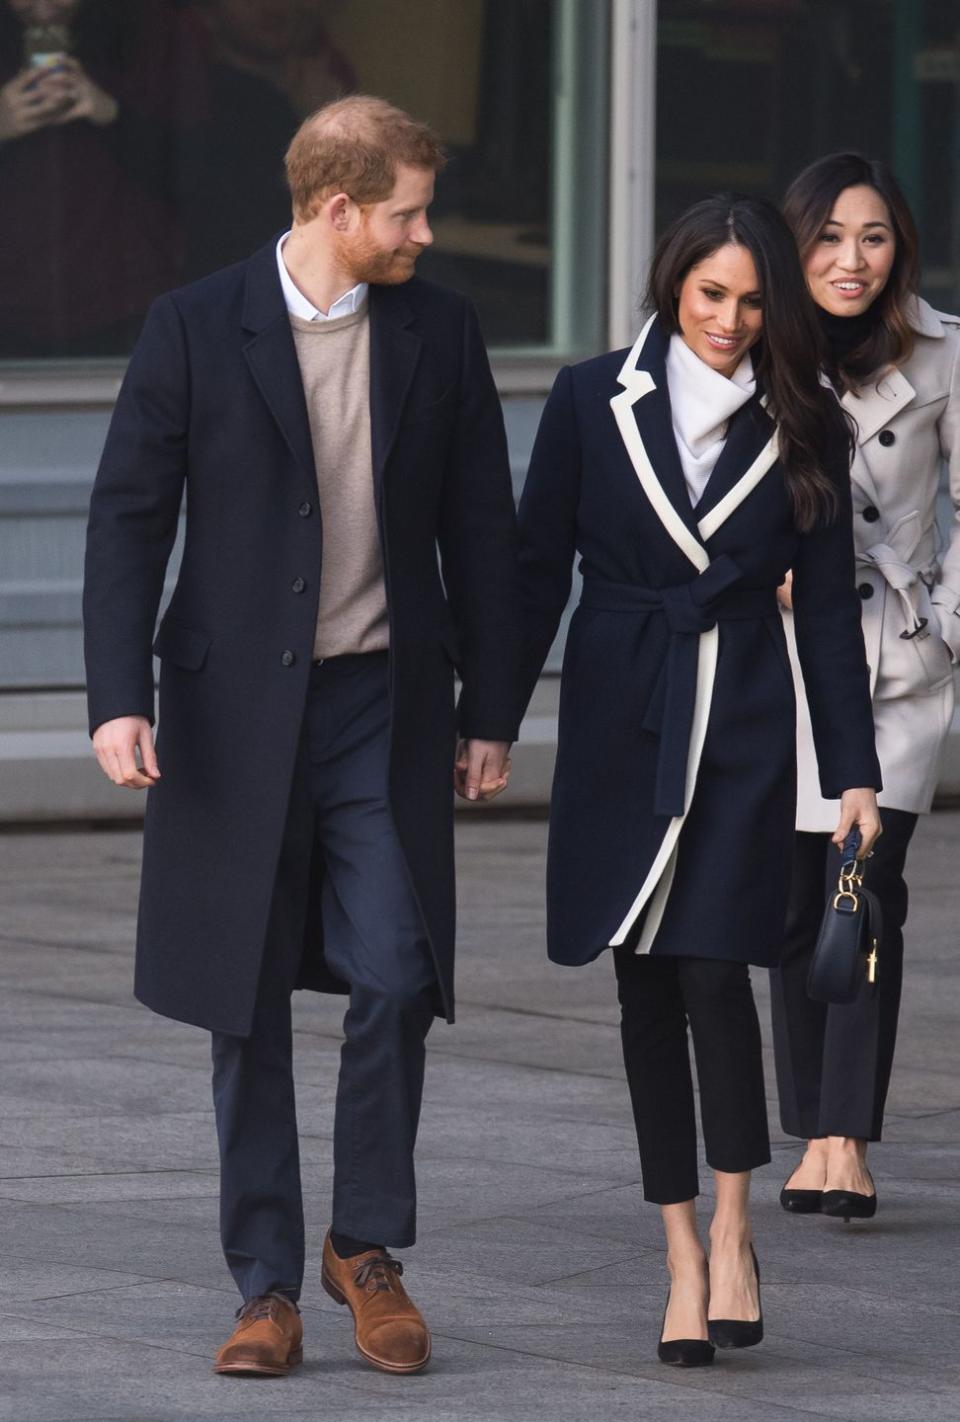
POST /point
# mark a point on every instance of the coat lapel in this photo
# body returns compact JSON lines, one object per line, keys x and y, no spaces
{"x":876,"y":403}
{"x":748,"y":435}
{"x":642,"y":413}
{"x":394,"y":352}
{"x":872,"y":407}
{"x":272,"y":356}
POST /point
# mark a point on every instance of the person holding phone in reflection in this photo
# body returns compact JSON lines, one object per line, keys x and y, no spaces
{"x":895,"y":364}
{"x":689,"y":473}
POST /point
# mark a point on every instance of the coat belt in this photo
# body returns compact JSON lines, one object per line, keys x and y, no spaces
{"x":689,"y":609}
{"x":903,"y":578}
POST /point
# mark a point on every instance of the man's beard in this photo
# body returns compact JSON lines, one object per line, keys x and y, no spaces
{"x":367,"y":262}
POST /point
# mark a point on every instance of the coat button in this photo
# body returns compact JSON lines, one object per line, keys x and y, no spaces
{"x":871,"y":514}
{"x":887,"y":437}
{"x":298,"y":585}
{"x":305,"y":509}
{"x":865,"y":591}
{"x":288,"y":659}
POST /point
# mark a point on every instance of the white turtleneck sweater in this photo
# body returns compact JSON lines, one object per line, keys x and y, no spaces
{"x":702,"y":401}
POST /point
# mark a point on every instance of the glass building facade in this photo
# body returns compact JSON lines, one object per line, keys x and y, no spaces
{"x":576,"y":130}
{"x":170,"y":166}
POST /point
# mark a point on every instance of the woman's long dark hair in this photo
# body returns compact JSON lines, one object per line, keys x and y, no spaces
{"x":787,"y":357}
{"x":810,"y":200}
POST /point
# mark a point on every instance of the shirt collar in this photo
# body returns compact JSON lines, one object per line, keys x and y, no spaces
{"x":298,"y":305}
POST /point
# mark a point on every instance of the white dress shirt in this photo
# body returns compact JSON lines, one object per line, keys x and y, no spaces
{"x":702,"y":401}
{"x":298,"y":305}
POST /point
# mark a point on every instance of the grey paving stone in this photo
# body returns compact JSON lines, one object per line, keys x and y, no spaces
{"x":88,"y":1188}
{"x":22,"y":1281}
{"x":539,"y":1266}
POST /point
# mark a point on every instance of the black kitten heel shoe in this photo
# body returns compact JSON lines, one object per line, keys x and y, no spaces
{"x":684,"y":1352}
{"x":848,"y":1205}
{"x":737,"y":1332}
{"x":801,"y":1202}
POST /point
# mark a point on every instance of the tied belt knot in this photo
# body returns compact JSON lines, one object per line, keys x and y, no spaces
{"x":689,"y":610}
{"x":684,"y":616}
{"x":895,"y":558}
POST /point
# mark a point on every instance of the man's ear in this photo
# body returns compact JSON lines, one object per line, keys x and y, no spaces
{"x":340,"y":212}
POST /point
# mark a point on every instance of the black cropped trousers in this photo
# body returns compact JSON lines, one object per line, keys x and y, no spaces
{"x":660,"y":999}
{"x":834,"y":1061}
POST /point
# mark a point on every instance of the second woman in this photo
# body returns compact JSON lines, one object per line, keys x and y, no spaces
{"x":690,"y":473}
{"x":896,"y":364}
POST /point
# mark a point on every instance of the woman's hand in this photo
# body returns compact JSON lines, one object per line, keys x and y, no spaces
{"x":84,"y":98}
{"x":481,"y":769}
{"x":785,"y":592}
{"x":30,"y":100}
{"x":859,"y":808}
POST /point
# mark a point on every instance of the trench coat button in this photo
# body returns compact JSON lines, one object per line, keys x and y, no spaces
{"x":865,"y":591}
{"x":887,"y":437}
{"x":305,"y":509}
{"x":298,"y":585}
{"x":871,"y":514}
{"x":288,"y":659}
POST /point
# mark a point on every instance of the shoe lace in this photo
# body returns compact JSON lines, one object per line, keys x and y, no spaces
{"x":379,"y":1272}
{"x":264,"y":1306}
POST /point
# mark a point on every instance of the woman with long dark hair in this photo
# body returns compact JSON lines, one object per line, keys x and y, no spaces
{"x":689,"y":473}
{"x":895,"y":362}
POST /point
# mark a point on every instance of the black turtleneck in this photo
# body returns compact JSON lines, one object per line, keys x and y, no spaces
{"x":846,"y":334}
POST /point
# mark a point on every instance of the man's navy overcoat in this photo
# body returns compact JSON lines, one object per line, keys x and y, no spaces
{"x":673,"y":802}
{"x":213,"y":405}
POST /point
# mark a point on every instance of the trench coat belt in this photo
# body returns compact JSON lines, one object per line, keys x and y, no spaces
{"x":903,"y":579}
{"x":689,"y":609}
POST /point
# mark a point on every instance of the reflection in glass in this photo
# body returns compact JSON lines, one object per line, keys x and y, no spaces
{"x":750,"y":92}
{"x":142,"y":141}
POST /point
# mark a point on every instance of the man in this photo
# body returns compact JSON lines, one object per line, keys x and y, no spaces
{"x":335,"y":424}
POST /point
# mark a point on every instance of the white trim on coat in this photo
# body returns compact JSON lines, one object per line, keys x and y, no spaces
{"x":637,"y":383}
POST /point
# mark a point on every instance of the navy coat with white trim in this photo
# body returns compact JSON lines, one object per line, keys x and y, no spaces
{"x":213,"y":405}
{"x":672,"y":813}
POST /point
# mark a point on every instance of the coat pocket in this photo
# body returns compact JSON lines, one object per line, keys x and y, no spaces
{"x":186,"y":647}
{"x":778,"y":637}
{"x":449,"y":639}
{"x":418,"y":414}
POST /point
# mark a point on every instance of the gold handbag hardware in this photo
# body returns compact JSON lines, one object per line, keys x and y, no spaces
{"x":851,"y":879}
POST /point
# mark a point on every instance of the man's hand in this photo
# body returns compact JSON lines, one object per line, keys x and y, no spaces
{"x":481,"y":769}
{"x":116,"y":744}
{"x":859,"y":807}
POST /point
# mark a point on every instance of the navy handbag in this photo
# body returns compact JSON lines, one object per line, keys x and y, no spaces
{"x":846,"y":956}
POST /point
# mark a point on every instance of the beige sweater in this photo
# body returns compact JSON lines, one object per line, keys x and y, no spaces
{"x":334,"y":359}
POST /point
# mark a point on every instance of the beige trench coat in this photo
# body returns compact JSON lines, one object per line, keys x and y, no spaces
{"x":908,"y":424}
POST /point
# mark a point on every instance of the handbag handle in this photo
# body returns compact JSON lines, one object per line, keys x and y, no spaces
{"x":851,"y":873}
{"x":850,"y":847}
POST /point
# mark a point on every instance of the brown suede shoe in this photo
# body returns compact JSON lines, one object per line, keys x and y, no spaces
{"x":388,"y":1328}
{"x":267,"y":1341}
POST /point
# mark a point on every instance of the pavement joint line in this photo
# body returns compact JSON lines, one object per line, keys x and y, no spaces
{"x":538,"y":1013}
{"x":668,"y":1380}
{"x":784,"y":1338}
{"x":85,"y":1333}
{"x":554,"y":1169}
{"x":111,"y":1174}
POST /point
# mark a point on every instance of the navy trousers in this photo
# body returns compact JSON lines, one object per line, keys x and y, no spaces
{"x":834,"y":1061}
{"x":375,"y":941}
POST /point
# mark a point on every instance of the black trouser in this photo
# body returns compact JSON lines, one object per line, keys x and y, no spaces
{"x":374,"y":940}
{"x":834,"y":1062}
{"x":659,"y":996}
